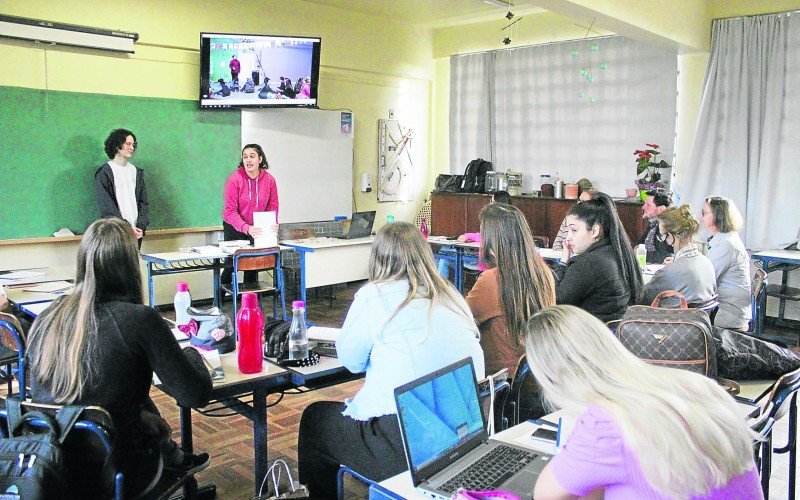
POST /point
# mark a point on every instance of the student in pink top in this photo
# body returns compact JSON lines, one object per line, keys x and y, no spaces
{"x":250,"y":188}
{"x":644,"y":431}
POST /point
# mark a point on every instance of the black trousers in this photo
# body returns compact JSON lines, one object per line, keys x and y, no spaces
{"x":231,"y":234}
{"x":328,"y":439}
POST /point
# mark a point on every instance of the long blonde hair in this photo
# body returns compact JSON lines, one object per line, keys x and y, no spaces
{"x":62,"y":337}
{"x":526,"y":283}
{"x":684,"y":429}
{"x":399,"y":252}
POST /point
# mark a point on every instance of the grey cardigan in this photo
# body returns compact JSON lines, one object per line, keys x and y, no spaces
{"x":691,"y":274}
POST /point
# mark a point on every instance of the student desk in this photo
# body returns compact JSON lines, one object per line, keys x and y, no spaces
{"x":327,"y":261}
{"x":227,"y":397}
{"x":54,"y":273}
{"x":771,"y":259}
{"x":34,"y":310}
{"x":159,"y":264}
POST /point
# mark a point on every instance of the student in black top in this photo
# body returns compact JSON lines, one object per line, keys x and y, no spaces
{"x":656,"y":202}
{"x":598,"y":270}
{"x":100,"y":346}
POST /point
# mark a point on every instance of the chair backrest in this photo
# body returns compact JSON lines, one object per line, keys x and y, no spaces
{"x":493,"y":390}
{"x":783,"y":390}
{"x":257,"y":262}
{"x":12,"y":341}
{"x":522,"y":377}
{"x":87,"y":450}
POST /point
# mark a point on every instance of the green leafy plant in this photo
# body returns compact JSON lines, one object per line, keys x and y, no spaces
{"x":647,"y":163}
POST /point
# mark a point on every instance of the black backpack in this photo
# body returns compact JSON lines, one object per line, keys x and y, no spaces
{"x":276,"y":333}
{"x":475,"y":176}
{"x":32,"y":464}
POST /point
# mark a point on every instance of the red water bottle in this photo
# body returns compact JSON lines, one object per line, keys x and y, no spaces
{"x":250,"y":328}
{"x":424,"y":228}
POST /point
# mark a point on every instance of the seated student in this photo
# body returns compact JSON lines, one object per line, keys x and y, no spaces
{"x":100,"y":346}
{"x":444,"y":264}
{"x":224,"y":90}
{"x":731,"y":262}
{"x":406,"y":322}
{"x":517,"y":284}
{"x":558,"y":242}
{"x":644,"y":431}
{"x":656,"y":202}
{"x":689,"y":272}
{"x":598,"y":271}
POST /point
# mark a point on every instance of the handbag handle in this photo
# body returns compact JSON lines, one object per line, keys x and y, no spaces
{"x":670,"y":293}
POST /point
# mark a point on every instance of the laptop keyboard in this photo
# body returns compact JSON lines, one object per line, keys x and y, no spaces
{"x":491,"y":470}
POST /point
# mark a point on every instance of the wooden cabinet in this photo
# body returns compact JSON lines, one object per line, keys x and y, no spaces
{"x":453,"y":214}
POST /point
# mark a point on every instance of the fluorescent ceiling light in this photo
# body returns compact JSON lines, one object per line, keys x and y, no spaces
{"x":66,"y":34}
{"x":499,"y":3}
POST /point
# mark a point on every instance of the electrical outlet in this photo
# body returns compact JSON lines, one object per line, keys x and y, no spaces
{"x":391,"y":114}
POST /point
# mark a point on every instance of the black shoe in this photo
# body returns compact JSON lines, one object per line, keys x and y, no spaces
{"x":191,"y":464}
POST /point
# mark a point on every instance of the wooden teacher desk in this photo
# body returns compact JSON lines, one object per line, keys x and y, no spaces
{"x":327,"y":261}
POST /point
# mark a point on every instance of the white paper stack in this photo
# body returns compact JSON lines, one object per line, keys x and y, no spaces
{"x":266,"y":221}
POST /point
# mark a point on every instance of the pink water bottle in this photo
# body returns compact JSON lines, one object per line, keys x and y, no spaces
{"x":424,"y":228}
{"x":250,"y":327}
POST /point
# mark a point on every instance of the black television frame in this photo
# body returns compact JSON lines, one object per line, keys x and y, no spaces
{"x":205,"y":60}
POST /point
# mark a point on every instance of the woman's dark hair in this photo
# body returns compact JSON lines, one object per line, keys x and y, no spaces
{"x":600,"y":210}
{"x":263,"y":163}
{"x":502,"y":197}
{"x":116,"y":139}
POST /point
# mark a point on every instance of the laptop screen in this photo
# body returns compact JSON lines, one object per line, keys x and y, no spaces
{"x":439,"y":413}
{"x":361,"y":224}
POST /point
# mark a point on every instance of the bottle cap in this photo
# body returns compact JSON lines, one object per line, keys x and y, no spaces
{"x":182,"y":286}
{"x":297,"y":304}
{"x":249,"y":299}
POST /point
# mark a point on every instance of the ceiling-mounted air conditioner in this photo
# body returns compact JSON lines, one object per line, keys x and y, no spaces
{"x":66,"y":34}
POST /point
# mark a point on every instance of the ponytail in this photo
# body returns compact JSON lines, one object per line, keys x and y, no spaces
{"x":600,"y":210}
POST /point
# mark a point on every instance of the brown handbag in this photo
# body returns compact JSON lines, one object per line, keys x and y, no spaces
{"x":678,"y":338}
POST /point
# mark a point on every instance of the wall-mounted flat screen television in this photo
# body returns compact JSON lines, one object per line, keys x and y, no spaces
{"x":260,"y":71}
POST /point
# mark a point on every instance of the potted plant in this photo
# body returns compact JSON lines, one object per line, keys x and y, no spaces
{"x":647,"y":169}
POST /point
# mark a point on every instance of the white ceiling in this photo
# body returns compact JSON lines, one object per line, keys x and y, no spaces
{"x":433,"y":13}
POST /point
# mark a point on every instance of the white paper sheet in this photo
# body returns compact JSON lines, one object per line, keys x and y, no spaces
{"x":17,"y":275}
{"x":49,"y":287}
{"x":323,"y":333}
{"x":266,"y":221}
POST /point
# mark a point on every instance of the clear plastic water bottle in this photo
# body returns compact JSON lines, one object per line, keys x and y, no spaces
{"x":250,"y":328}
{"x":182,"y":302}
{"x":641,"y":256}
{"x":298,"y":335}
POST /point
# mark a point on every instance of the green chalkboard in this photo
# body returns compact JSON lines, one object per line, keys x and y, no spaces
{"x":51,"y":144}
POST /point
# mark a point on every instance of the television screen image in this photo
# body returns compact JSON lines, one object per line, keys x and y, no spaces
{"x":258,"y":70}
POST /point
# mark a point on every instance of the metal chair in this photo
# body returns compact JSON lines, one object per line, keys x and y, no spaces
{"x":375,"y":489}
{"x":784,"y":292}
{"x":87,"y":450}
{"x":258,"y":259}
{"x":492,"y":392}
{"x":762,"y":447}
{"x":783,"y":400}
{"x":12,"y":350}
{"x":759,"y":302}
{"x":524,"y":389}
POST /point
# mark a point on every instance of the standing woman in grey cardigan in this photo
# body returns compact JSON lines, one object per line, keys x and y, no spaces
{"x":689,"y":272}
{"x":731,"y":262}
{"x":119,"y":185}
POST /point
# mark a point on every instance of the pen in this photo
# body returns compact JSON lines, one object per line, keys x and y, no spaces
{"x":558,"y":434}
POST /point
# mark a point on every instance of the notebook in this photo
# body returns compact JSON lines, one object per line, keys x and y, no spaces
{"x":360,"y":225}
{"x":446,"y":443}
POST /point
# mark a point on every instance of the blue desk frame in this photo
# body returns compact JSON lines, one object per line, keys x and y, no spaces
{"x":158,"y":265}
{"x":770,"y":259}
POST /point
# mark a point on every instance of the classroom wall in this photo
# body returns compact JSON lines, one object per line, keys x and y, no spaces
{"x":369,"y":65}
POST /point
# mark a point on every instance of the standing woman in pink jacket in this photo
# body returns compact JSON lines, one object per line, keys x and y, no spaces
{"x":249,"y":189}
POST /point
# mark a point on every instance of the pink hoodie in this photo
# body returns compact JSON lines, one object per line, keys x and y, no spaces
{"x":244,"y":195}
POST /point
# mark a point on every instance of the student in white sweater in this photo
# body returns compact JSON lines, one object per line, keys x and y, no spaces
{"x":731,"y":262}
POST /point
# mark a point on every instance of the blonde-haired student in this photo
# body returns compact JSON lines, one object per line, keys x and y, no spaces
{"x":644,"y":431}
{"x":406,"y":322}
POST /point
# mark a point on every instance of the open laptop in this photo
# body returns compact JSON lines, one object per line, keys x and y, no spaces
{"x":360,"y":225}
{"x":445,"y":439}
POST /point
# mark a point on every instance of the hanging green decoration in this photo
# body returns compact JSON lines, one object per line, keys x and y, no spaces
{"x":603,"y":65}
{"x":594,"y":47}
{"x":591,"y":100}
{"x":574,"y":53}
